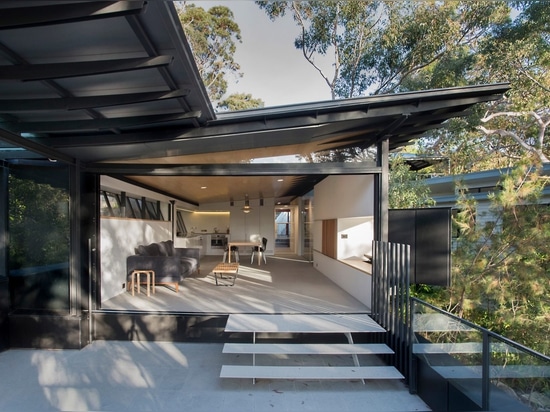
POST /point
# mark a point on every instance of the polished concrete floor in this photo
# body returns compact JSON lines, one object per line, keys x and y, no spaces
{"x":161,"y":376}
{"x":285,"y":284}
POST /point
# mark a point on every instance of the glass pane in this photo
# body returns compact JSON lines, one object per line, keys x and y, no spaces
{"x":519,"y":373}
{"x":38,"y":260}
{"x":110,"y":205}
{"x":451,"y":348}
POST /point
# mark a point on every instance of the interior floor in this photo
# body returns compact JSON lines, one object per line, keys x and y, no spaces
{"x":286,"y":284}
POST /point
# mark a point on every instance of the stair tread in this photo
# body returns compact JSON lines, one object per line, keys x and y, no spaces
{"x":302,"y":323}
{"x":307,"y":348}
{"x":310,"y":372}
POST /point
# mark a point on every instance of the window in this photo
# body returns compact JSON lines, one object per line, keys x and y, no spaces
{"x":39,"y":244}
{"x":181,"y":229}
{"x":121,"y":205}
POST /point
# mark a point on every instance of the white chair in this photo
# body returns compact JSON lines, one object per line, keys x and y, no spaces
{"x":260,"y":249}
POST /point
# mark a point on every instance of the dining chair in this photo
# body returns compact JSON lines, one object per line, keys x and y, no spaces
{"x":260,"y":249}
{"x":234,"y":250}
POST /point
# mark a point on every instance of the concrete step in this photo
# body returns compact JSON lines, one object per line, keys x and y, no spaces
{"x":310,"y":372}
{"x":307,"y":348}
{"x":302,"y":323}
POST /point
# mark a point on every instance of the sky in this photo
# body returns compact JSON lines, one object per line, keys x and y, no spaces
{"x":273,"y":69}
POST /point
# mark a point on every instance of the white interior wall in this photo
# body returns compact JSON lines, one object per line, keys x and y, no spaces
{"x":355,"y":236}
{"x":344,"y":196}
{"x":207,"y":222}
{"x":246,"y":226}
{"x":352,"y":201}
{"x":119,"y":238}
{"x":357,"y":283}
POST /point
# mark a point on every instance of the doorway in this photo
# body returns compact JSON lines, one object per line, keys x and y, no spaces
{"x":284,"y":230}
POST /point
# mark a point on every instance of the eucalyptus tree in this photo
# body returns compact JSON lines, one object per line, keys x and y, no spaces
{"x":394,"y":46}
{"x":239,"y":101}
{"x":213,"y":36}
{"x":519,"y":52}
{"x":390,"y":46}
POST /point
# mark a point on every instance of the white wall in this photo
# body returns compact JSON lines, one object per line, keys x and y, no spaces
{"x":344,"y":196}
{"x":245,"y":226}
{"x":355,"y":236}
{"x":350,"y":199}
{"x":357,"y":283}
{"x":119,"y":237}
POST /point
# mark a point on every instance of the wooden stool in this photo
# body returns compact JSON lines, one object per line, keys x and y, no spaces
{"x":135,"y":275}
{"x":226,"y":269}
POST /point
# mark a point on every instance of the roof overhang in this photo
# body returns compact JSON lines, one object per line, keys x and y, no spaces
{"x":101,"y":83}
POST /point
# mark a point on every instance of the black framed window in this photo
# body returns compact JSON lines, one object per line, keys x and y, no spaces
{"x":39,"y":241}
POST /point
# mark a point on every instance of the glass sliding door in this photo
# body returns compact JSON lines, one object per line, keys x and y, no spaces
{"x":39,"y":238}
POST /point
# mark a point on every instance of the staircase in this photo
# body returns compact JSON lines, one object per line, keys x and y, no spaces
{"x":345,"y":324}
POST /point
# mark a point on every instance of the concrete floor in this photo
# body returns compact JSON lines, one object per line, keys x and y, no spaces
{"x":284,"y":285}
{"x":163,"y":376}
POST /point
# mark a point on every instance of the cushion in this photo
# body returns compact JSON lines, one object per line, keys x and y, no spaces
{"x":166,"y":248}
{"x":149,"y":250}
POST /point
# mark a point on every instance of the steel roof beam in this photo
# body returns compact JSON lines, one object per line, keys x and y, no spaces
{"x":88,"y":102}
{"x":19,"y":17}
{"x":95,"y":124}
{"x":235,"y":169}
{"x":35,"y":72}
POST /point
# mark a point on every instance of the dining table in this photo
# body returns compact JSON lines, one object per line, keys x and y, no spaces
{"x":243,"y":243}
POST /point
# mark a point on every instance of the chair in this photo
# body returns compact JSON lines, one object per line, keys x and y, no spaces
{"x":260,"y":249}
{"x":234,"y":249}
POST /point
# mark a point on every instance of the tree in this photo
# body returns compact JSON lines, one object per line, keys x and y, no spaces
{"x":213,"y":36}
{"x":520,"y":53}
{"x":515,"y":51}
{"x":240,"y":101}
{"x":501,"y":262}
{"x":406,"y":189}
{"x":387,"y":46}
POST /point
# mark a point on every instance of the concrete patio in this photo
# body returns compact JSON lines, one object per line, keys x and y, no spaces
{"x":163,"y":376}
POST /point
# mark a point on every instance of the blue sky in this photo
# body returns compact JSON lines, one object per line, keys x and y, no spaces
{"x":274,"y":70}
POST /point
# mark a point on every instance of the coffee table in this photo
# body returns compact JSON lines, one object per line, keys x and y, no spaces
{"x":226,"y":271}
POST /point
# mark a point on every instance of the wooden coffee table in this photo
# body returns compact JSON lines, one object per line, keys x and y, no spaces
{"x":226,"y":271}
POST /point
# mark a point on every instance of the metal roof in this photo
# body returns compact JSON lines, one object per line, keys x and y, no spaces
{"x":102,"y":83}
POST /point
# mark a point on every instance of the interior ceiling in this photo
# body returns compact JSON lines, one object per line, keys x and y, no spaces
{"x":106,"y":83}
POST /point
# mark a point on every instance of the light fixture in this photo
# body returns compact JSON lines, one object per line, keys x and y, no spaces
{"x":246,"y":208}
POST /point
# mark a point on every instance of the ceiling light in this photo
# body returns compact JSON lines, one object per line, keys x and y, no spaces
{"x":246,"y":208}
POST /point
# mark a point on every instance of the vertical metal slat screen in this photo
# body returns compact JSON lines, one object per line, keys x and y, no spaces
{"x":390,"y":298}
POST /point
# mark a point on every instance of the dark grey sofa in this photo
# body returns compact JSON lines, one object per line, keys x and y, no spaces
{"x":171,"y":265}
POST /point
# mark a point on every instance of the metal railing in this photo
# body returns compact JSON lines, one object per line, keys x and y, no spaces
{"x":452,"y":364}
{"x":390,"y":298}
{"x":480,"y":369}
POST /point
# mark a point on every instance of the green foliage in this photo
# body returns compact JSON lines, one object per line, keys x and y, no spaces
{"x":501,"y":264}
{"x":406,"y":189}
{"x":213,"y":35}
{"x":240,"y":101}
{"x":38,"y":224}
{"x":389,"y":46}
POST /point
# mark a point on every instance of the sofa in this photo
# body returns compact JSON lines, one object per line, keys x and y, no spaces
{"x":171,"y":265}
